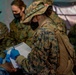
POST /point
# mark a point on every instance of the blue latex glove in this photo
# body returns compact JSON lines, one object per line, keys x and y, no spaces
{"x":1,"y":60}
{"x":14,"y":53}
{"x":7,"y":59}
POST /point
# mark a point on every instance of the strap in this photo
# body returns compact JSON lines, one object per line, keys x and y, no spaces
{"x":67,"y":44}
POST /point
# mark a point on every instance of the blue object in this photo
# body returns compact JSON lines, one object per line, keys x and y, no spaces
{"x":14,"y":53}
{"x":7,"y":59}
{"x":3,"y":71}
{"x":1,"y":60}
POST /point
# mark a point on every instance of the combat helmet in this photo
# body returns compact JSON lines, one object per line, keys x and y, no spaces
{"x":3,"y":30}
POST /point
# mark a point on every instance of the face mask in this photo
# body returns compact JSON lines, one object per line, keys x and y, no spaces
{"x":34,"y":25}
{"x":17,"y":17}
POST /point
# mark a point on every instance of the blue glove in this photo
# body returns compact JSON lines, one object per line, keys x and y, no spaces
{"x":7,"y":59}
{"x":14,"y":53}
{"x":1,"y":60}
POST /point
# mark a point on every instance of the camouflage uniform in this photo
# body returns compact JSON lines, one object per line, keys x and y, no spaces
{"x":39,"y":61}
{"x":58,"y":21}
{"x":21,"y":33}
{"x":5,"y":40}
{"x":42,"y":60}
{"x":3,"y":35}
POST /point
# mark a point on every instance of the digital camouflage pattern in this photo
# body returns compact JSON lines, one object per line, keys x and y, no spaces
{"x":42,"y":60}
{"x":4,"y":41}
{"x":54,"y":17}
{"x":3,"y":35}
{"x":18,"y":33}
{"x":8,"y":42}
{"x":3,"y":30}
{"x":2,"y":55}
{"x":58,"y":21}
{"x":72,"y":36}
{"x":1,"y":46}
{"x":21,"y":32}
{"x":39,"y":9}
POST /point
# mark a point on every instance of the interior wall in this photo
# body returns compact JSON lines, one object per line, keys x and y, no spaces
{"x":5,"y":6}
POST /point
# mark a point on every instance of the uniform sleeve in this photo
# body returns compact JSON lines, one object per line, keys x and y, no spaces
{"x":38,"y":61}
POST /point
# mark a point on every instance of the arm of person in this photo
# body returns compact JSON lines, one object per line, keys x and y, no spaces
{"x":44,"y":44}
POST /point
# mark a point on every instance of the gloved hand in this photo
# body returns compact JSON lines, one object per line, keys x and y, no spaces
{"x":7,"y":59}
{"x":14,"y":53}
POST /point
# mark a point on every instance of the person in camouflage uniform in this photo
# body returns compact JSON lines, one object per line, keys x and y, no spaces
{"x":42,"y":60}
{"x":3,"y":35}
{"x":18,"y":31}
{"x":3,"y":45}
{"x":54,"y":17}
